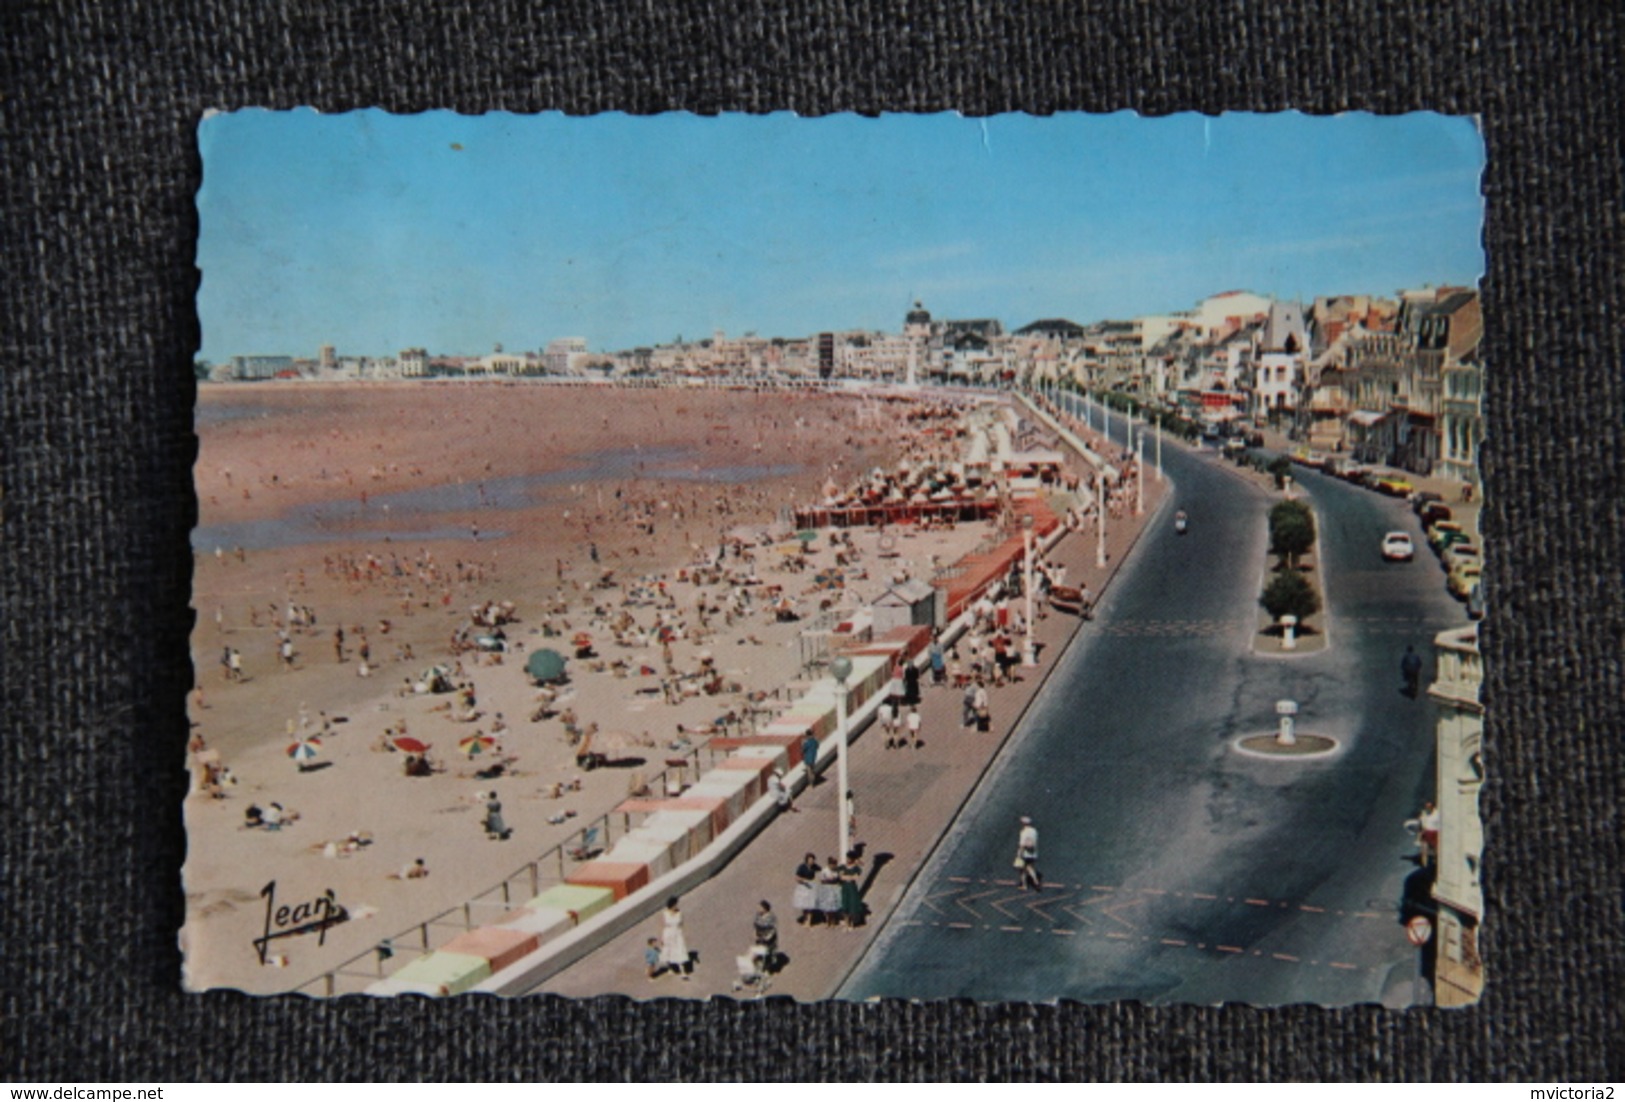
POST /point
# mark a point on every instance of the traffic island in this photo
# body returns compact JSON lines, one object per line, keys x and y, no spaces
{"x":1287,"y":741}
{"x":1290,"y":598}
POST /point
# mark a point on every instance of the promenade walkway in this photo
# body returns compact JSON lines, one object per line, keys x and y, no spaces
{"x":906,"y":799}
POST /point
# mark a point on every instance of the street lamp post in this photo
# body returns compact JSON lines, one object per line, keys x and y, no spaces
{"x":1159,"y":450}
{"x":841,"y":669}
{"x":1100,"y":518}
{"x":1139,"y":477}
{"x":1029,"y":657}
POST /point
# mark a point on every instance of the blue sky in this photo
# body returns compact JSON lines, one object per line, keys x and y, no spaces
{"x":375,"y":232}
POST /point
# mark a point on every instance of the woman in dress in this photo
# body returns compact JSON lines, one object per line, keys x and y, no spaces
{"x":829,"y":892}
{"x":673,"y":945}
{"x":805,"y":898}
{"x":851,"y":894}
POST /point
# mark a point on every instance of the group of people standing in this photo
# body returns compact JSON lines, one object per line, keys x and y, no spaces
{"x":831,"y":894}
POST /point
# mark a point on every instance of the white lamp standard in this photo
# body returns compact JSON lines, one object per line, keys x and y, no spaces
{"x":1159,"y":450}
{"x":1029,"y":657}
{"x":841,"y":669}
{"x":1100,"y":518}
{"x":1139,"y":476}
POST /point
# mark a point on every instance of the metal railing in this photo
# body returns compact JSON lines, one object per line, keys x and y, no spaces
{"x":389,"y":955}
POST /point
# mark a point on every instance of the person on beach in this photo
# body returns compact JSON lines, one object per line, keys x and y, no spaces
{"x":495,"y":827}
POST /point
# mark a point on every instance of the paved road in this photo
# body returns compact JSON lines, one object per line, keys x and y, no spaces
{"x":1177,"y":869}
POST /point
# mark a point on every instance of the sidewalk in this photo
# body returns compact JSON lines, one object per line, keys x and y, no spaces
{"x":906,"y":799}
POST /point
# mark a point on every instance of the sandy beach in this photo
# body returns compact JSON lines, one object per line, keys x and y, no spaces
{"x":390,"y":511}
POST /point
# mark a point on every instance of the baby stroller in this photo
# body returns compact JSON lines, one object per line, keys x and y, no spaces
{"x":753,"y":971}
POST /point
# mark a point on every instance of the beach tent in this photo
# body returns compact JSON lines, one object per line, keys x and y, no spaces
{"x":545,"y":666}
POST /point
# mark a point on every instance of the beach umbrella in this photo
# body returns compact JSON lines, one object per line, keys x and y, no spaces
{"x":806,"y":535}
{"x":545,"y":665}
{"x":305,"y":750}
{"x":409,"y":745}
{"x":581,"y":639}
{"x":476,"y":744}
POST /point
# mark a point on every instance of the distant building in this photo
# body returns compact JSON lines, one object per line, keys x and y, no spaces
{"x":253,"y":368}
{"x":564,"y":356}
{"x":414,"y":363}
{"x":327,"y":357}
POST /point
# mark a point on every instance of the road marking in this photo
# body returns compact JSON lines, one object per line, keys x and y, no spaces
{"x":1284,"y":956}
{"x":1229,"y":949}
{"x":1173,"y":941}
{"x":1203,"y":895}
{"x":1311,"y":910}
{"x":1340,"y":964}
{"x":1258,"y":902}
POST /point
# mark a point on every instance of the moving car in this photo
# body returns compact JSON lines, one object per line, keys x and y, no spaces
{"x":1397,"y":547}
{"x":1394,"y":486}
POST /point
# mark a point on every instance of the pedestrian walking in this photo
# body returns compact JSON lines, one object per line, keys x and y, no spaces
{"x":236,"y":664}
{"x":888,"y":720}
{"x":914,"y":727}
{"x":1027,"y":856}
{"x":939,"y":664}
{"x":805,"y":897}
{"x":829,"y":892}
{"x":911,"y":684}
{"x":809,"y":756}
{"x":765,"y":929}
{"x":495,"y":827}
{"x":967,"y":705}
{"x":1410,"y":668}
{"x":852,"y":891}
{"x":984,"y":714}
{"x":673,"y":945}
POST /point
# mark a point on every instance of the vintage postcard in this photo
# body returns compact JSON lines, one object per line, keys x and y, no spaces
{"x":906,"y":557}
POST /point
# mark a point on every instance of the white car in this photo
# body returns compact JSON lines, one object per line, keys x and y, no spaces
{"x":1397,"y":547}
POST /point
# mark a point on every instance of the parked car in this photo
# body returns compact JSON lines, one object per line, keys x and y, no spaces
{"x":1443,"y":530}
{"x":1475,"y":602}
{"x":1433,"y":512}
{"x":1394,"y":486}
{"x":1422,"y":498}
{"x":1353,"y":472}
{"x":1315,"y":461}
{"x":1458,"y":553}
{"x":1463,"y":580}
{"x":1397,"y":547}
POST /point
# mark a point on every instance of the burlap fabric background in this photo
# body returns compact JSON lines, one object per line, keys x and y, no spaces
{"x":100,"y":104}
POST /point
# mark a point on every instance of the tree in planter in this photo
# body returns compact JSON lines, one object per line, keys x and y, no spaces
{"x":1290,"y":594}
{"x":1280,"y":467}
{"x":1292,"y":530}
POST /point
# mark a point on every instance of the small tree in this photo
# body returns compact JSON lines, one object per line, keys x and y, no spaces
{"x":1290,"y":594}
{"x":1292,"y":530}
{"x":1280,"y":467}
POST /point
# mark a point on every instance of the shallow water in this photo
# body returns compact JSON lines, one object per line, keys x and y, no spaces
{"x":377,"y":520}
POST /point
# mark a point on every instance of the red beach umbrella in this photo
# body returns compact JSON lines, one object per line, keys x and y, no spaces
{"x":411,"y":745}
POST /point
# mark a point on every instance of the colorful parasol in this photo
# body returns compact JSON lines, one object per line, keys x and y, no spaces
{"x":410,"y":745}
{"x":476,"y":744}
{"x":305,"y":750}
